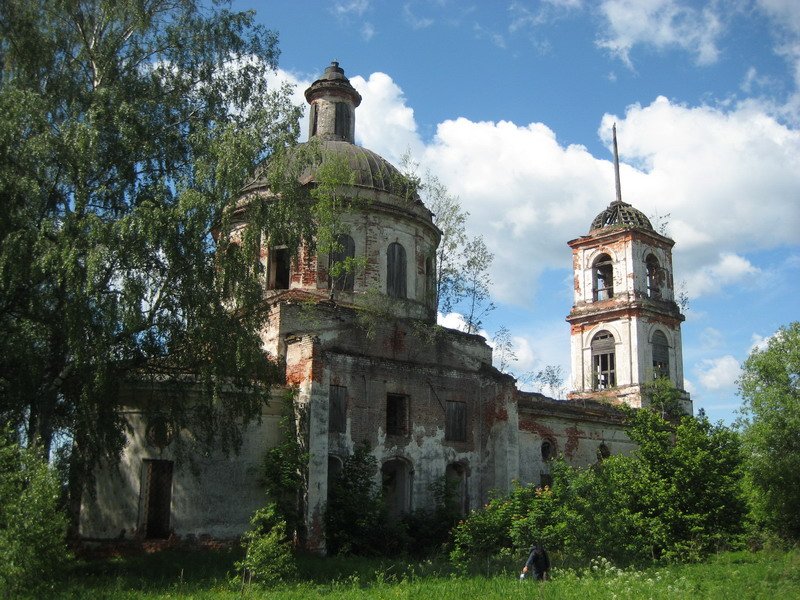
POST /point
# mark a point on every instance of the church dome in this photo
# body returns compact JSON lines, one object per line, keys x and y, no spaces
{"x":621,"y":214}
{"x":370,"y":170}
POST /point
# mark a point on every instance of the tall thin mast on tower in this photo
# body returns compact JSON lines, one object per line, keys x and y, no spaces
{"x":616,"y":164}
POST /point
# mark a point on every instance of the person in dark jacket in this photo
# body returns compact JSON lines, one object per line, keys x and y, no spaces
{"x":538,"y":563}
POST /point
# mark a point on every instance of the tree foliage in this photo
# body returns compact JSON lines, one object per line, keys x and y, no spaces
{"x":770,"y":420}
{"x":32,"y":527}
{"x":126,"y":131}
{"x":268,"y":555}
{"x":678,"y":498}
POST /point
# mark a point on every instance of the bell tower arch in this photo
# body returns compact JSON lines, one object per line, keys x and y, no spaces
{"x":625,"y":327}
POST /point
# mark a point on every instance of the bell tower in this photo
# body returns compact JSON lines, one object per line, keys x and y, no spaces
{"x":625,"y":325}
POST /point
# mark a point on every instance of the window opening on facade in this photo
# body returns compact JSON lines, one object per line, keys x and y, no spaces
{"x":342,"y":126}
{"x":157,"y":498}
{"x":313,"y":120}
{"x":603,"y":361}
{"x":455,"y":429}
{"x":653,"y":277}
{"x":280,"y":266}
{"x":396,"y":271}
{"x":603,"y":278}
{"x":344,"y":280}
{"x":337,"y":409}
{"x":396,"y":477}
{"x":430,"y":281}
{"x":334,"y":468}
{"x":660,"y":355}
{"x":603,"y":452}
{"x":396,"y":414}
{"x":548,"y":450}
{"x":456,"y":479}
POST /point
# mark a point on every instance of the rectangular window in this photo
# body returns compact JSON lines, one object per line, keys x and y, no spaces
{"x":337,"y":409}
{"x":279,"y":269}
{"x":396,"y":414}
{"x":456,"y":425}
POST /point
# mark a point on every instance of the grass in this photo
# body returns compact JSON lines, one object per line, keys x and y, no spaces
{"x":208,"y":574}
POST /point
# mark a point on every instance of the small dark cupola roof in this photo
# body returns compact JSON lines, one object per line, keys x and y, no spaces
{"x":333,"y":106}
{"x":619,"y":213}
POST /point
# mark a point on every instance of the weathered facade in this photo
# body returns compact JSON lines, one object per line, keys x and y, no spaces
{"x":368,"y":364}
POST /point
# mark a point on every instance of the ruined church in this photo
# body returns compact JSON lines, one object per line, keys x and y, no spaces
{"x":428,"y":406}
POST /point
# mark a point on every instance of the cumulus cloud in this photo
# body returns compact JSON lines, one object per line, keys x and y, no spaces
{"x":718,"y":373}
{"x":663,"y":24}
{"x":729,"y":177}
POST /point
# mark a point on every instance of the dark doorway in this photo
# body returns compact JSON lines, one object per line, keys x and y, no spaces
{"x":158,"y":498}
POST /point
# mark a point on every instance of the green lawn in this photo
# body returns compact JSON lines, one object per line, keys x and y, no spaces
{"x":184,"y":574}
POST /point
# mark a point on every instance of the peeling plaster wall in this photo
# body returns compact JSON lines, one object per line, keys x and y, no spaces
{"x":216,"y":498}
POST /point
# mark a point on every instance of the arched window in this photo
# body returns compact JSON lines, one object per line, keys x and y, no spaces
{"x":396,"y":271}
{"x":603,"y":278}
{"x":456,"y":477}
{"x":660,"y":355}
{"x":604,"y":371}
{"x":548,"y":450}
{"x":339,"y":278}
{"x":653,"y":277}
{"x":396,"y":475}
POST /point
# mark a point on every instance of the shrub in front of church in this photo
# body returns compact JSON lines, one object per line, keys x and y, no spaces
{"x":268,"y":552}
{"x":678,"y":498}
{"x":32,"y":527}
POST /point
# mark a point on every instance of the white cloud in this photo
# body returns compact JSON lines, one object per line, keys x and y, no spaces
{"x":357,"y":7}
{"x":728,"y":177}
{"x":729,"y":269}
{"x":663,"y":24}
{"x":384,"y":122}
{"x":717,"y":373}
{"x":413,"y":20}
{"x":367,"y":31}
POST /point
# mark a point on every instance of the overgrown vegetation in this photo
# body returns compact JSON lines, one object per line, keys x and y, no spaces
{"x":268,"y":551}
{"x":678,"y":498}
{"x":33,"y":527}
{"x":202,"y":575}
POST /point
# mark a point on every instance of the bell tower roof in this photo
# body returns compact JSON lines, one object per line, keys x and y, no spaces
{"x":619,"y":213}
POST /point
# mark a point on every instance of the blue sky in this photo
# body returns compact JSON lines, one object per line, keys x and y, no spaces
{"x":510,"y":103}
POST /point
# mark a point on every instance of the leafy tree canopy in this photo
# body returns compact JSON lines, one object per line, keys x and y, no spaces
{"x":770,"y":421}
{"x":127,"y":129}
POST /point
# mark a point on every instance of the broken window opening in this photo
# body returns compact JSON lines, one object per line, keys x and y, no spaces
{"x":157,"y":498}
{"x":456,"y":481}
{"x":603,"y":361}
{"x":396,"y":476}
{"x":660,"y":355}
{"x":344,"y":281}
{"x":342,"y":125}
{"x":396,"y":414}
{"x":545,"y":480}
{"x":313,"y":119}
{"x":654,"y":277}
{"x":455,"y":429}
{"x":548,"y":450}
{"x":396,"y":271}
{"x":280,"y":268}
{"x":603,"y":452}
{"x":337,"y":409}
{"x":335,"y":465}
{"x":603,"y":276}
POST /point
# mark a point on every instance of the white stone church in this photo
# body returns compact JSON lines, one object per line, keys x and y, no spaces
{"x":428,"y":406}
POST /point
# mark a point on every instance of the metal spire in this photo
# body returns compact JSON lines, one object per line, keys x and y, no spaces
{"x":616,"y":163}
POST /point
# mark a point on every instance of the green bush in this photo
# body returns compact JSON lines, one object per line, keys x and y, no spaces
{"x":678,"y":498}
{"x":32,"y":528}
{"x":268,"y":553}
{"x":356,"y":520}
